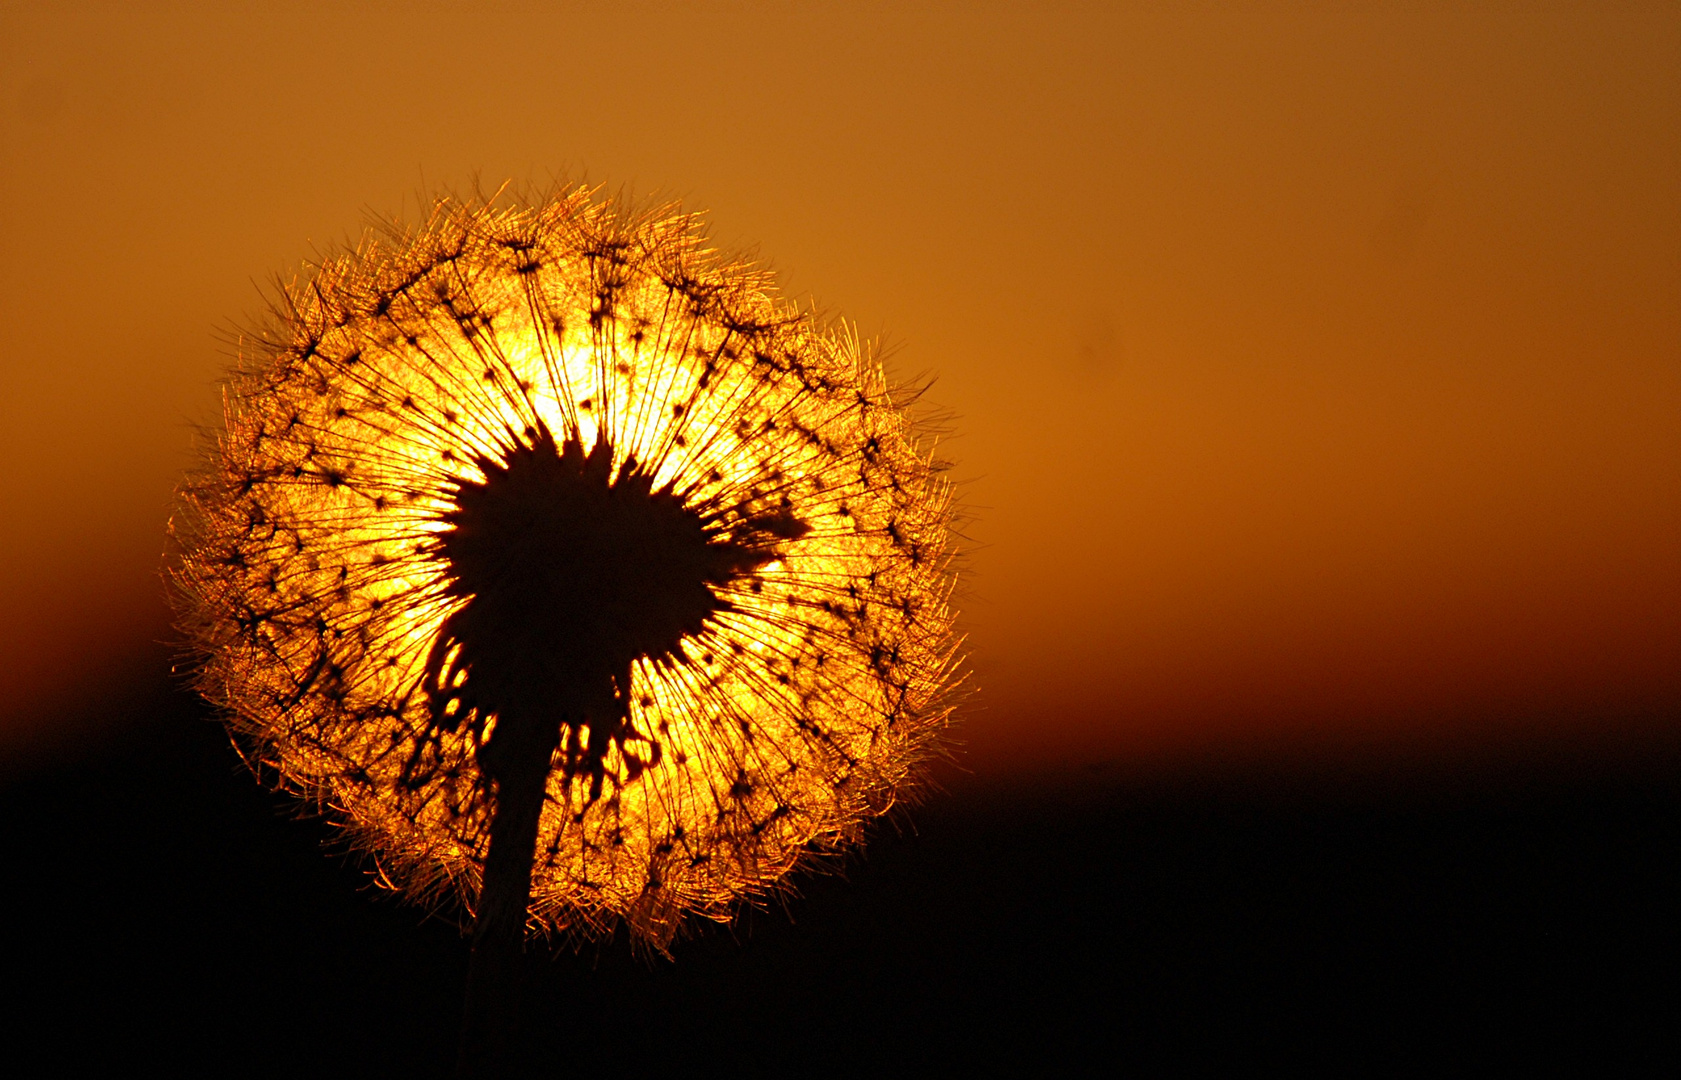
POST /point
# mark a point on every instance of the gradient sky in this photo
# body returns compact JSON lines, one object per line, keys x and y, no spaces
{"x":1315,"y":379}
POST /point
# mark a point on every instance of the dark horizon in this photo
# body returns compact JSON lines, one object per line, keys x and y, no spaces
{"x":1489,"y":912}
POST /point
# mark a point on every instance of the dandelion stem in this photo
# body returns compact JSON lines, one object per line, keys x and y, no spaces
{"x":518,"y":760}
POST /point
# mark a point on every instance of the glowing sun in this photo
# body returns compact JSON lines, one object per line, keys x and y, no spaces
{"x":542,"y":542}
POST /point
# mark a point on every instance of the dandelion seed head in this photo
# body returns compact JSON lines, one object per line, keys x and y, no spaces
{"x":558,"y":459}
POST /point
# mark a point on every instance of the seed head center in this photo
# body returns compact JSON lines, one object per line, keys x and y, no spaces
{"x":569,"y":574}
{"x":575,"y":568}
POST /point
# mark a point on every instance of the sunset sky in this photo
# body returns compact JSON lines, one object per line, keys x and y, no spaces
{"x":1313,"y":380}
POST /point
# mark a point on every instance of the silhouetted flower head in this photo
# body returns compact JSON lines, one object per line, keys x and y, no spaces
{"x":558,"y":460}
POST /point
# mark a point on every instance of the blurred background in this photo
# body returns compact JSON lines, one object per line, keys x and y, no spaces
{"x":1314,"y":382}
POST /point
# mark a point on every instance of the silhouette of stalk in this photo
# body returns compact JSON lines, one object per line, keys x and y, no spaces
{"x":491,"y":1009}
{"x":583,"y":581}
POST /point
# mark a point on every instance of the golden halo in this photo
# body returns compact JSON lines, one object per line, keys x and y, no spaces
{"x":393,"y":377}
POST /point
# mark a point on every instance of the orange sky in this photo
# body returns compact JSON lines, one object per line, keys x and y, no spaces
{"x":1317,"y":377}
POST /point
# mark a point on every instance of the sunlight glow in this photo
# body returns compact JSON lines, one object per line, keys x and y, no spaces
{"x":311,"y":583}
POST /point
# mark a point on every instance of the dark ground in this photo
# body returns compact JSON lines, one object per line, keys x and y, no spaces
{"x":161,"y":908}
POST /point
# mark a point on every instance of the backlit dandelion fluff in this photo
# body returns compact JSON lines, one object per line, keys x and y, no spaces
{"x":545,"y":546}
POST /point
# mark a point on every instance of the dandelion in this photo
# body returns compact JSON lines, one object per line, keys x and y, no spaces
{"x":584,"y":581}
